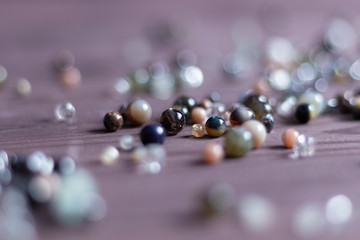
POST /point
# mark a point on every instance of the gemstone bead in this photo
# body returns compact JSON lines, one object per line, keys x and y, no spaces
{"x":65,"y":112}
{"x":153,"y":133}
{"x":213,"y":153}
{"x":113,"y":121}
{"x":109,"y":155}
{"x":138,"y":112}
{"x":189,"y":102}
{"x":314,"y":98}
{"x":240,"y":115}
{"x":215,"y":126}
{"x":238,"y":142}
{"x":289,"y":137}
{"x":252,"y":99}
{"x":173,"y":121}
{"x":304,"y":113}
{"x":257,"y":130}
{"x":268,"y":121}
{"x":184,"y":109}
{"x":126,"y":142}
{"x":198,"y":130}
{"x":198,"y":115}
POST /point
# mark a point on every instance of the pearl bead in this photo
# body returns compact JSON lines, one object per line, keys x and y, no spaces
{"x":138,"y":112}
{"x":198,"y":130}
{"x":70,"y":78}
{"x":213,"y":153}
{"x":238,"y":142}
{"x":289,"y":137}
{"x":109,"y":155}
{"x":198,"y":115}
{"x":314,"y":98}
{"x":257,"y":130}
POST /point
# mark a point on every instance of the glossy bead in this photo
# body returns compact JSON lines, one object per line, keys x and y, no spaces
{"x":268,"y":121}
{"x":23,"y":87}
{"x":109,"y":156}
{"x":213,"y":153}
{"x":184,"y":109}
{"x":314,"y":98}
{"x":238,"y":142}
{"x":257,"y":130}
{"x":189,"y":102}
{"x":258,"y":104}
{"x":304,"y":113}
{"x":113,"y":121}
{"x":138,"y":112}
{"x":173,"y":121}
{"x":198,"y":115}
{"x":153,"y":133}
{"x":252,"y":99}
{"x":198,"y":130}
{"x":215,"y":126}
{"x":240,"y":115}
{"x":289,"y":137}
{"x":65,"y":112}
{"x":344,"y":103}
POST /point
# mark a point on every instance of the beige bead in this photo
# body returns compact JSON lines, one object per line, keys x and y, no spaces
{"x":198,"y":130}
{"x":257,"y":130}
{"x":23,"y":87}
{"x":138,"y":112}
{"x":213,"y":153}
{"x":289,"y":137}
{"x":198,"y":115}
{"x":70,"y":78}
{"x":109,"y":155}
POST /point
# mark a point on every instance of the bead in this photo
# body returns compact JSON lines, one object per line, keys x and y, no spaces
{"x":113,"y":121}
{"x":258,"y":104}
{"x":126,"y":142}
{"x":138,"y":112}
{"x":240,"y":115}
{"x":257,"y":130}
{"x":191,"y":77}
{"x":66,"y":165}
{"x":63,"y":60}
{"x":149,"y":159}
{"x":215,"y":126}
{"x":304,"y":113}
{"x":213,"y":153}
{"x":39,"y":162}
{"x":3,"y":76}
{"x":65,"y":112}
{"x":198,"y":130}
{"x":4,"y":161}
{"x":303,"y":147}
{"x":268,"y":121}
{"x":343,"y":101}
{"x":109,"y":156}
{"x":154,"y":133}
{"x":252,"y":99}
{"x":289,"y":137}
{"x":173,"y":121}
{"x":198,"y":115}
{"x":238,"y":142}
{"x":355,"y":107}
{"x":23,"y":87}
{"x":189,"y":102}
{"x":41,"y":189}
{"x":286,"y":108}
{"x":184,"y":109}
{"x":216,"y":109}
{"x":314,"y":98}
{"x":70,"y":78}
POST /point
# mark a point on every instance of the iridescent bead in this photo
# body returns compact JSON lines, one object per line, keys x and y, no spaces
{"x":215,"y":126}
{"x":240,"y":115}
{"x":189,"y":102}
{"x":268,"y":121}
{"x":173,"y":121}
{"x":23,"y":87}
{"x":304,"y":113}
{"x":213,"y":153}
{"x":153,"y":133}
{"x":109,"y":156}
{"x":126,"y":142}
{"x":198,"y":130}
{"x":238,"y":142}
{"x":65,"y":112}
{"x":257,"y":130}
{"x":289,"y":137}
{"x":198,"y":115}
{"x":138,"y":112}
{"x":113,"y":121}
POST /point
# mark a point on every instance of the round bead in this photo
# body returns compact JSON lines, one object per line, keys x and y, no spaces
{"x":63,"y":60}
{"x":66,"y":165}
{"x":252,"y":99}
{"x":153,"y":133}
{"x":289,"y":137}
{"x":344,"y":104}
{"x":138,"y":112}
{"x":23,"y":87}
{"x":240,"y":115}
{"x":238,"y":142}
{"x":213,"y":153}
{"x":113,"y":121}
{"x":184,"y":109}
{"x":109,"y":155}
{"x":304,"y":112}
{"x":65,"y":112}
{"x":173,"y":121}
{"x":198,"y":130}
{"x":268,"y":121}
{"x":189,"y":102}
{"x":198,"y":115}
{"x":126,"y":142}
{"x":70,"y":78}
{"x":257,"y":130}
{"x":314,"y":98}
{"x":215,"y":126}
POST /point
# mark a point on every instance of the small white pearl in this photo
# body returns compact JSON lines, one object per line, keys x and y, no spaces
{"x":109,"y":155}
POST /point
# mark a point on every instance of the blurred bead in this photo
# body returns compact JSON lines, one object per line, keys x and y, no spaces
{"x":262,"y":87}
{"x":70,"y":78}
{"x":339,"y":209}
{"x":184,"y":109}
{"x":287,"y":107}
{"x":149,"y":159}
{"x":65,"y":112}
{"x":240,"y":115}
{"x":257,"y":130}
{"x":252,"y":99}
{"x":314,"y":98}
{"x":63,"y":60}
{"x":303,"y":147}
{"x":215,"y":126}
{"x":189,"y":102}
{"x":138,"y":112}
{"x":23,"y":87}
{"x":4,"y":161}
{"x":355,"y":107}
{"x":3,"y":76}
{"x":39,"y":162}
{"x":289,"y":137}
{"x":154,"y":133}
{"x":238,"y":142}
{"x":214,"y":97}
{"x":304,"y":113}
{"x":126,"y":142}
{"x":309,"y":220}
{"x":213,"y":153}
{"x":198,"y":115}
{"x":280,"y":79}
{"x":198,"y":130}
{"x":41,"y":189}
{"x":206,"y":103}
{"x":343,"y":101}
{"x":66,"y":165}
{"x":109,"y":156}
{"x":216,"y":109}
{"x":191,"y":77}
{"x":268,"y":121}
{"x":186,"y":58}
{"x":173,"y":121}
{"x":113,"y":121}
{"x":122,"y":86}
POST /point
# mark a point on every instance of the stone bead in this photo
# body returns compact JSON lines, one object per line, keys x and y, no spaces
{"x":138,"y":112}
{"x":172,"y":120}
{"x":268,"y":121}
{"x":238,"y":142}
{"x":240,"y":115}
{"x":252,"y":99}
{"x":215,"y":126}
{"x":257,"y":130}
{"x":198,"y":130}
{"x":289,"y":137}
{"x":213,"y":153}
{"x":113,"y":121}
{"x":259,"y":104}
{"x":189,"y":102}
{"x":153,"y":133}
{"x":184,"y":109}
{"x":109,"y":155}
{"x":198,"y":115}
{"x":70,"y":78}
{"x":304,"y":113}
{"x":314,"y":98}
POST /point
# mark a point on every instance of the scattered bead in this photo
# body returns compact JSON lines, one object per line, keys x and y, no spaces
{"x":268,"y":121}
{"x":304,"y":113}
{"x":240,"y":115}
{"x":215,"y":126}
{"x":213,"y":153}
{"x":198,"y":130}
{"x":149,"y":159}
{"x":303,"y":147}
{"x":126,"y":142}
{"x":64,"y":60}
{"x":238,"y":142}
{"x":189,"y":102}
{"x":3,"y":76}
{"x":113,"y":121}
{"x":23,"y":87}
{"x":138,"y":112}
{"x":184,"y":109}
{"x":70,"y":78}
{"x":339,"y":209}
{"x":65,"y":112}
{"x":66,"y":165}
{"x":154,"y":133}
{"x":315,"y":99}
{"x":109,"y":156}
{"x":173,"y":121}
{"x":289,"y":137}
{"x":257,"y":130}
{"x":198,"y":115}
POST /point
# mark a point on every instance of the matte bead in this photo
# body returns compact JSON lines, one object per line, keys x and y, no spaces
{"x":215,"y":126}
{"x":240,"y":115}
{"x":154,"y":133}
{"x":289,"y":137}
{"x":138,"y":112}
{"x":198,"y":115}
{"x":23,"y":87}
{"x":198,"y":130}
{"x":257,"y":130}
{"x":268,"y":121}
{"x":213,"y":153}
{"x":172,"y":120}
{"x":113,"y":121}
{"x":189,"y":102}
{"x":238,"y":142}
{"x":304,"y":113}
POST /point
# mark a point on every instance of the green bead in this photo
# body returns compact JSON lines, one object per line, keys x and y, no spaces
{"x":238,"y":142}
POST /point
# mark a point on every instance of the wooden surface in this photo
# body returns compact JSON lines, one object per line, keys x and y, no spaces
{"x":160,"y":206}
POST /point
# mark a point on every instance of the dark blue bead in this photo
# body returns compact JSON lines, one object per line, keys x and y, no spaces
{"x":154,"y":133}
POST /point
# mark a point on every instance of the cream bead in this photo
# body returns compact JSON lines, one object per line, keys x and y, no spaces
{"x":257,"y":130}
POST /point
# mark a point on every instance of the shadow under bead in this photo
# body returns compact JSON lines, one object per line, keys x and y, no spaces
{"x":113,"y":121}
{"x":153,"y":133}
{"x":215,"y":126}
{"x":304,"y":113}
{"x":172,"y":120}
{"x":240,"y":115}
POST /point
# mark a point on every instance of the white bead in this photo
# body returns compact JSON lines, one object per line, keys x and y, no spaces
{"x":109,"y":155}
{"x":23,"y":87}
{"x":339,"y":209}
{"x":126,"y":142}
{"x":65,"y":112}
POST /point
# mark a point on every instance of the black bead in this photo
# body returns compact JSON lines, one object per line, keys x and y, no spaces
{"x":268,"y":121}
{"x":189,"y":102}
{"x":113,"y":121}
{"x":344,"y":104}
{"x":18,"y":163}
{"x":251,"y":99}
{"x":154,"y":133}
{"x":172,"y":120}
{"x":185,"y":110}
{"x":304,"y":113}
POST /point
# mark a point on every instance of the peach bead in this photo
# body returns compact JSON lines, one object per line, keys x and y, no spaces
{"x":70,"y":78}
{"x":213,"y":153}
{"x":289,"y":137}
{"x":198,"y":115}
